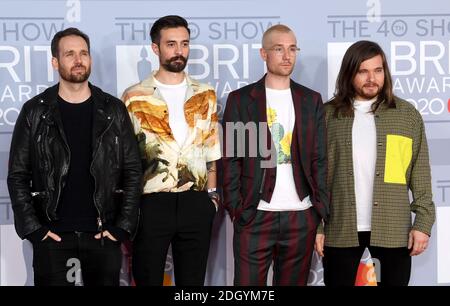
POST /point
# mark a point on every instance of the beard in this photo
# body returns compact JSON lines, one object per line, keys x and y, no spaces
{"x":78,"y":77}
{"x":173,"y":66}
{"x":367,"y":93}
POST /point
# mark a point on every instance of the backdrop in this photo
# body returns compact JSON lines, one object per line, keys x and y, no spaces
{"x":226,"y":36}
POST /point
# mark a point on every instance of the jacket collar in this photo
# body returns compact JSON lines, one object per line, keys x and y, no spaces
{"x":258,"y":100}
{"x":381,"y":110}
{"x":50,"y":96}
{"x":102,"y":116}
{"x":258,"y":95}
{"x":192,"y":85}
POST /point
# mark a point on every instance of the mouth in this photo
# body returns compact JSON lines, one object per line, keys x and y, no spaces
{"x":178,"y":59}
{"x":78,"y":69}
{"x":370,"y":86}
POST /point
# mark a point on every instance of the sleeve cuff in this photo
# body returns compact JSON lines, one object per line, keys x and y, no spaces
{"x":37,"y":235}
{"x":320,"y":228}
{"x":118,"y":233}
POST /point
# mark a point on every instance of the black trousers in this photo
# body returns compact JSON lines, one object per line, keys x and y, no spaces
{"x":56,"y":263}
{"x":341,"y":264}
{"x":183,"y":219}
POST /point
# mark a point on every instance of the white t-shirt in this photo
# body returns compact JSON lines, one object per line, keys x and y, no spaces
{"x":174,"y":96}
{"x":281,"y":120}
{"x":364,"y":151}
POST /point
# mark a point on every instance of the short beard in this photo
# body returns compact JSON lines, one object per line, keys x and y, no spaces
{"x":171,"y":66}
{"x":371,"y":96}
{"x":74,"y":78}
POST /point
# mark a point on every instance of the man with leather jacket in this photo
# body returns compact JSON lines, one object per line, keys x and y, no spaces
{"x":74,"y":173}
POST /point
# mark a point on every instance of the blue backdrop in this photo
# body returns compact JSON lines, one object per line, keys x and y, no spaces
{"x":226,"y":36}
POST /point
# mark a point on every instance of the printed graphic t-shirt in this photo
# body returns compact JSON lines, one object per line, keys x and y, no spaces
{"x":281,"y":120}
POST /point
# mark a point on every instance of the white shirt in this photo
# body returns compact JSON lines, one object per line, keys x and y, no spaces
{"x":281,"y":120}
{"x":174,"y":96}
{"x":364,"y":139}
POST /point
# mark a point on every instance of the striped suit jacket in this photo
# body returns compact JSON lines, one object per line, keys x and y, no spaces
{"x":247,"y":178}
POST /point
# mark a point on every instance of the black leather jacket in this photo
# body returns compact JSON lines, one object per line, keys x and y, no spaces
{"x":39,"y":160}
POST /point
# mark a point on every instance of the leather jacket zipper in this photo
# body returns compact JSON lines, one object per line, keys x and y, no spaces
{"x":33,"y":194}
{"x":65,"y":166}
{"x":100,"y":229}
{"x":63,"y":174}
{"x":99,"y":219}
{"x":46,"y":158}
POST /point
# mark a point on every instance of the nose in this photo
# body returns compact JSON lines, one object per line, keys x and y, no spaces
{"x":77,"y":58}
{"x":178,"y":49}
{"x":371,"y":75}
{"x":286,"y":54}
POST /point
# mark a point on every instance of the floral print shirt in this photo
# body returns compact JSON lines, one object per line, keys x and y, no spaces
{"x":167,"y":166}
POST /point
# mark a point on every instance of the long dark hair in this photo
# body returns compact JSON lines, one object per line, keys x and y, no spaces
{"x":345,"y":92}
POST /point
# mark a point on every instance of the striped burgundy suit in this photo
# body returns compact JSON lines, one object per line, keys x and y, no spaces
{"x":247,"y":180}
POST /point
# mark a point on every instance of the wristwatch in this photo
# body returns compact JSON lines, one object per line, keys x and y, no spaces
{"x":214,"y":195}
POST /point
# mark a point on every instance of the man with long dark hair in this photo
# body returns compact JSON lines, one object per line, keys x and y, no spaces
{"x":377,"y":152}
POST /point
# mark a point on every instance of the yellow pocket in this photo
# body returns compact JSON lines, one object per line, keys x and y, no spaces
{"x":398,"y":158}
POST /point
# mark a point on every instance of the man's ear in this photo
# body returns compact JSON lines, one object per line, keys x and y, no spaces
{"x":55,"y":63}
{"x":263,"y":54}
{"x":155,"y":49}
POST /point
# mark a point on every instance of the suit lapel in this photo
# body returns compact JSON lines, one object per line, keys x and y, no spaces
{"x":257,"y":111}
{"x":297,"y":97}
{"x":298,"y":143}
{"x":257,"y":106}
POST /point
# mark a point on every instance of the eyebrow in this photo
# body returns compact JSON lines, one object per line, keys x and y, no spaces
{"x":173,"y":40}
{"x":73,"y":50}
{"x":281,"y":45}
{"x":366,"y":69}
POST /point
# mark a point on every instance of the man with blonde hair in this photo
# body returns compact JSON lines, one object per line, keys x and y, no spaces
{"x":275,"y":200}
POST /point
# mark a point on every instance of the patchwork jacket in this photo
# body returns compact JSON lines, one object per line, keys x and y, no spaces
{"x":402,"y":165}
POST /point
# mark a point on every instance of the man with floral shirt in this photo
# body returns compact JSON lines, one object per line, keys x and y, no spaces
{"x":175,"y":122}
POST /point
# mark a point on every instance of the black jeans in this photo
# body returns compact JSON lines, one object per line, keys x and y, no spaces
{"x":340,"y":265}
{"x":183,"y":219}
{"x":56,"y":263}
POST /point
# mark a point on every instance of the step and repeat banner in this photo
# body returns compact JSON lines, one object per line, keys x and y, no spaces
{"x":225,"y":41}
